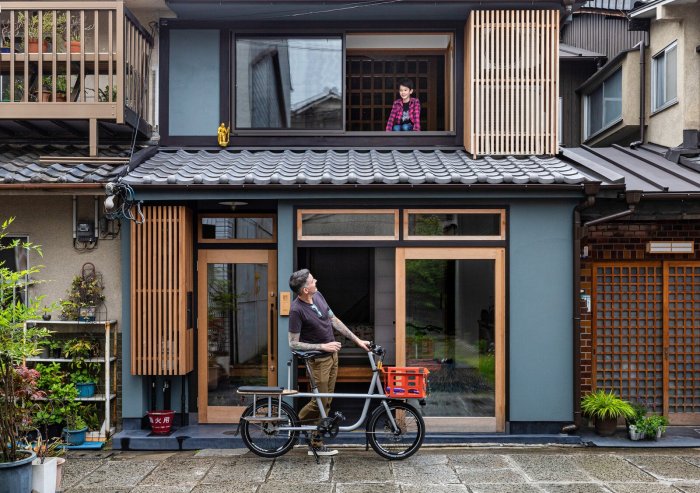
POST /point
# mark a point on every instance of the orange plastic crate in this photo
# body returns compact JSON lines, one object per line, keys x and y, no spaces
{"x":406,"y":382}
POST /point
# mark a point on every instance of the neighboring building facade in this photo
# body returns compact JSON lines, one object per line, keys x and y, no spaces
{"x":639,"y":262}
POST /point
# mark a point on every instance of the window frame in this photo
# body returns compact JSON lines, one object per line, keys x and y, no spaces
{"x":200,"y":228}
{"x":501,"y":237}
{"x":587,"y":107}
{"x":663,"y":54}
{"x":302,"y":237}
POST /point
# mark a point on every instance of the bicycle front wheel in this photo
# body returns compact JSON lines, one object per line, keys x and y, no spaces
{"x":396,"y":444}
{"x":264,"y":437}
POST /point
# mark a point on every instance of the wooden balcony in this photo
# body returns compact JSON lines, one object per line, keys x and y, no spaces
{"x":91,"y":67}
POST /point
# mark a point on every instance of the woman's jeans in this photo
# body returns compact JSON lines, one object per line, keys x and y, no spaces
{"x":404,"y":127}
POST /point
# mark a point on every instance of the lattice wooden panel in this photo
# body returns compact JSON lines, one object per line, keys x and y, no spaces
{"x":683,"y":322}
{"x":373,"y":85}
{"x":628,"y":331}
{"x":162,"y":337}
{"x":511,"y":82}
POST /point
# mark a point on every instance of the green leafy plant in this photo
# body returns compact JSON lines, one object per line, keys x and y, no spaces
{"x":84,"y":291}
{"x":86,"y":374}
{"x":18,"y":385}
{"x":89,"y":413}
{"x":59,"y":405}
{"x":103,"y":94}
{"x":78,"y":349}
{"x":74,"y":421}
{"x":650,"y":425}
{"x":32,"y":25}
{"x":49,"y":375}
{"x":639,"y":412}
{"x":605,"y":405}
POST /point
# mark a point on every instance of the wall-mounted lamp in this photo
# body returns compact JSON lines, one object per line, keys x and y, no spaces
{"x":670,"y":247}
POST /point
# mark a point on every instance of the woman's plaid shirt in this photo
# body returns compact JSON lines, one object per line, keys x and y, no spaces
{"x":397,"y":112}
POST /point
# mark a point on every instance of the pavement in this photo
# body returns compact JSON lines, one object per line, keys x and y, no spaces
{"x":474,"y":469}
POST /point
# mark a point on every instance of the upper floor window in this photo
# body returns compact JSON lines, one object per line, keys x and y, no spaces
{"x":604,"y":105}
{"x":289,"y":83}
{"x":664,"y":77}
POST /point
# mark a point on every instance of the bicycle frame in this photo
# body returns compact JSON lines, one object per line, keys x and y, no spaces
{"x":374,"y":386}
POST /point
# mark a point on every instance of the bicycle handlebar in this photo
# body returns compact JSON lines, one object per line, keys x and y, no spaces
{"x":376,"y":349}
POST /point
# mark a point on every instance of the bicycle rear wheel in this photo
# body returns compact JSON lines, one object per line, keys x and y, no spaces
{"x":264,"y":438}
{"x":396,"y":444}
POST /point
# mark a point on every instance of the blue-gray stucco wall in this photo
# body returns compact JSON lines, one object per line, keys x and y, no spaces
{"x":540,"y":337}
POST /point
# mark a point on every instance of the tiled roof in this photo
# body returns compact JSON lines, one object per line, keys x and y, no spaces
{"x":339,"y":167}
{"x":29,"y":164}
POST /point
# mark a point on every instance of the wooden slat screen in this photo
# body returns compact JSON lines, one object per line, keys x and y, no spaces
{"x":511,"y":82}
{"x":682,"y":297}
{"x":161,"y":278}
{"x":628,"y":331}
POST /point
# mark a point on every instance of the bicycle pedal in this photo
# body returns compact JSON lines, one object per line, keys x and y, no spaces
{"x":338,"y":417}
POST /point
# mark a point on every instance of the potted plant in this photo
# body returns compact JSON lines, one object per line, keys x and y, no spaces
{"x":60,"y":399}
{"x":76,"y":33}
{"x":84,"y":379}
{"x":103,"y":94}
{"x":31,"y":26}
{"x":84,"y":296}
{"x":47,"y":465}
{"x":605,"y":408}
{"x":19,"y":391}
{"x":76,"y":429}
{"x":47,"y":88}
{"x":6,"y":36}
{"x":653,"y":426}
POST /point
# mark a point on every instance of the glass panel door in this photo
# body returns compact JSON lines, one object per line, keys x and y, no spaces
{"x":451,"y":321}
{"x":237,"y":314}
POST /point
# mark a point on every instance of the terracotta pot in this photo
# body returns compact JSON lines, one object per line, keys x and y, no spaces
{"x":33,"y":46}
{"x":45,"y":96}
{"x":59,"y":472}
{"x":75,"y":46}
{"x":606,"y":427}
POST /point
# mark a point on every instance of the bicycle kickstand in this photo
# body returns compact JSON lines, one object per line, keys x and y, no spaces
{"x":313,"y":449}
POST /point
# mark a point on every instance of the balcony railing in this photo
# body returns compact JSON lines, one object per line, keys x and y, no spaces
{"x":84,"y":60}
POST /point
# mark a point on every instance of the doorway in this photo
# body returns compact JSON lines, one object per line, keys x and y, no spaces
{"x":237,"y":315}
{"x":450,"y":318}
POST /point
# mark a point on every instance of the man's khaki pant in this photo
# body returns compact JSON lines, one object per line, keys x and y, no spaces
{"x":324,"y":372}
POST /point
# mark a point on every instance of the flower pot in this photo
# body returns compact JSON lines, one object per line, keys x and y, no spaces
{"x":75,"y":46}
{"x":86,"y":389}
{"x":636,"y":435}
{"x":161,"y":421}
{"x":33,"y":46}
{"x":606,"y":427}
{"x":59,"y":472}
{"x":16,"y":477}
{"x":5,"y":49}
{"x":74,"y":437}
{"x":44,"y":475}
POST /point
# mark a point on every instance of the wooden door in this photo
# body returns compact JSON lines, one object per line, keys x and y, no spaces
{"x":646,"y":335}
{"x":237,"y":316}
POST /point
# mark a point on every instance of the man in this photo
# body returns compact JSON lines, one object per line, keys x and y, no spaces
{"x":311,"y":324}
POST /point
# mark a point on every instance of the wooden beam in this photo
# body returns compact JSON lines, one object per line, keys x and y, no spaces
{"x":93,"y":137}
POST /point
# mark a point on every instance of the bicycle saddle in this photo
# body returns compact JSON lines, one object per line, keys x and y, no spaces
{"x":308,"y":354}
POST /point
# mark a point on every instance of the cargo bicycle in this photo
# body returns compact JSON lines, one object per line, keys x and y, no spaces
{"x":395,"y":429}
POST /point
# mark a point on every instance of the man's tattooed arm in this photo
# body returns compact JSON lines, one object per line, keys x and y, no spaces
{"x":295,"y":343}
{"x":342,"y":328}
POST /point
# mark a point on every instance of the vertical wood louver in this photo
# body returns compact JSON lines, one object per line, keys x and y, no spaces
{"x":162,"y":335}
{"x":512,"y":82}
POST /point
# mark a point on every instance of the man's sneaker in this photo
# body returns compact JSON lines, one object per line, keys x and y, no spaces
{"x":322,"y":451}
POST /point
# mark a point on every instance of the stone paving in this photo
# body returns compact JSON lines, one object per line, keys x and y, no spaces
{"x":432,"y":470}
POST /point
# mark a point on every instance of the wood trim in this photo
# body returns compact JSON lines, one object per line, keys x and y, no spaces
{"x":161,"y":277}
{"x":200,"y":239}
{"x":496,"y":254}
{"x":301,"y":212}
{"x":500,"y":237}
{"x":665,"y":340}
{"x":460,"y":425}
{"x":511,"y":84}
{"x":231,"y":414}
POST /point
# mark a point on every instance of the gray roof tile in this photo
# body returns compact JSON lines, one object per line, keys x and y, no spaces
{"x":21,"y":163}
{"x":340,"y":167}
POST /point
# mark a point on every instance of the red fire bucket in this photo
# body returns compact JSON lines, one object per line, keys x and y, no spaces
{"x":161,"y":421}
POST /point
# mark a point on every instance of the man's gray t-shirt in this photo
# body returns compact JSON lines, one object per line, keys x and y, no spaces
{"x":311,"y":321}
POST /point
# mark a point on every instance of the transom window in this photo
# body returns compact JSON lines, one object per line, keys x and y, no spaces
{"x":664,"y":70}
{"x":604,"y":105}
{"x":237,"y":228}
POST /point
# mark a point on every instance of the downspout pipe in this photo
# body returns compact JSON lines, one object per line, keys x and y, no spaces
{"x":642,"y":94}
{"x":632,"y":198}
{"x":591,"y":190}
